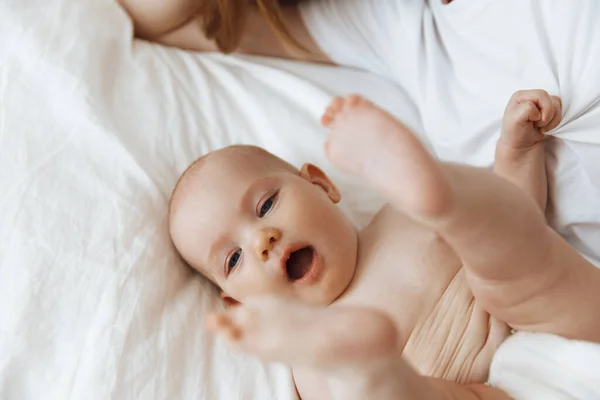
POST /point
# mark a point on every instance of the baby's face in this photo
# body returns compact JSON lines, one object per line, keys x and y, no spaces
{"x":255,"y":227}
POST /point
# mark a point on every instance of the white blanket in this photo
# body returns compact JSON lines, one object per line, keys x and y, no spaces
{"x":94,"y":130}
{"x":546,"y":367}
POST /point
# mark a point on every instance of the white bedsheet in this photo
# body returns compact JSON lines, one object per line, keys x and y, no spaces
{"x":94,"y":130}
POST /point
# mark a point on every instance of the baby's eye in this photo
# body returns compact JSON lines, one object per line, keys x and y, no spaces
{"x":267,"y":205}
{"x":233,"y":260}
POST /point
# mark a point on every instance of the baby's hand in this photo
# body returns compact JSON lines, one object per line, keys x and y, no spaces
{"x":528,"y":116}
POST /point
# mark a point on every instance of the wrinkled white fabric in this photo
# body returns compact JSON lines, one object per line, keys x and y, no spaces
{"x":546,"y":367}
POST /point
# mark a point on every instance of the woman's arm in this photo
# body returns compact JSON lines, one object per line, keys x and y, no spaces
{"x":155,"y":18}
{"x":175,"y":23}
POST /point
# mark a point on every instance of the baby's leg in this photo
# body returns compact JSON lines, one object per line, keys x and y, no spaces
{"x":356,"y":363}
{"x":520,"y":270}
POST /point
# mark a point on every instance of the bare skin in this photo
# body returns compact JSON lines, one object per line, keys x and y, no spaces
{"x":520,"y":155}
{"x":519,"y":270}
{"x":175,"y":23}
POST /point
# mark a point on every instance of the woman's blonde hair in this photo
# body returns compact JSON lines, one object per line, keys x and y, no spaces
{"x":224,"y":21}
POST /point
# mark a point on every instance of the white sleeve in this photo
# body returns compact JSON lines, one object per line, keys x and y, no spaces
{"x":355,"y":33}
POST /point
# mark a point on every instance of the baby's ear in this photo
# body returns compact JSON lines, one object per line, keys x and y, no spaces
{"x":229,"y":301}
{"x":316,"y":176}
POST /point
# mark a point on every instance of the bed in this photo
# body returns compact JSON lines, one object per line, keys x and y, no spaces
{"x":94,"y":130}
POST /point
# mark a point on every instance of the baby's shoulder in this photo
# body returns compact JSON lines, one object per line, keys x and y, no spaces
{"x":393,"y":238}
{"x":388,"y":223}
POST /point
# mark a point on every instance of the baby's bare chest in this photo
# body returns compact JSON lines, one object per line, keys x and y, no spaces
{"x":403,"y":268}
{"x":413,"y":275}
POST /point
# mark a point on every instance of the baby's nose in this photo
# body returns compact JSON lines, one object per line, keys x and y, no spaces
{"x":265,"y":242}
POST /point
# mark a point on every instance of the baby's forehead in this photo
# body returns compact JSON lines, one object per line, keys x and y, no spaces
{"x":250,"y":156}
{"x":236,"y":164}
{"x":226,"y":174}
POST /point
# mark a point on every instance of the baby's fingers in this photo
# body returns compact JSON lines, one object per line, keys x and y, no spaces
{"x":556,"y":117}
{"x":526,"y":112}
{"x":541,"y":99}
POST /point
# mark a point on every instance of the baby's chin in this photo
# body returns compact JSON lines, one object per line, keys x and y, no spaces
{"x":336,"y":282}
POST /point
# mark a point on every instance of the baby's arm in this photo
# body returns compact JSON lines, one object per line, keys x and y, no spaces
{"x":520,"y":156}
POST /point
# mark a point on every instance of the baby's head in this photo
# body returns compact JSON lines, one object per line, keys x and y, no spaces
{"x":255,"y":225}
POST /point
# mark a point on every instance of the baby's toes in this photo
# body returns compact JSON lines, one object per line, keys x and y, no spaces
{"x":332,"y":111}
{"x":355,"y":101}
{"x":343,"y":109}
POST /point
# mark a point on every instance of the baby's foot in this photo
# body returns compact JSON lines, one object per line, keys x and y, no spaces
{"x":368,"y":142}
{"x":354,"y":349}
{"x":280,"y":330}
{"x":529,"y":115}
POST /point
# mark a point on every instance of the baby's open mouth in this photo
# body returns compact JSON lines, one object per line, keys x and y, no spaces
{"x":299,"y":263}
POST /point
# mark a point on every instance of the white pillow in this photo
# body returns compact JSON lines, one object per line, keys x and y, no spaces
{"x":94,"y":130}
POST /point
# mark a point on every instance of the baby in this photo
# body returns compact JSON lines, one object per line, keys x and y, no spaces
{"x":457,"y":258}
